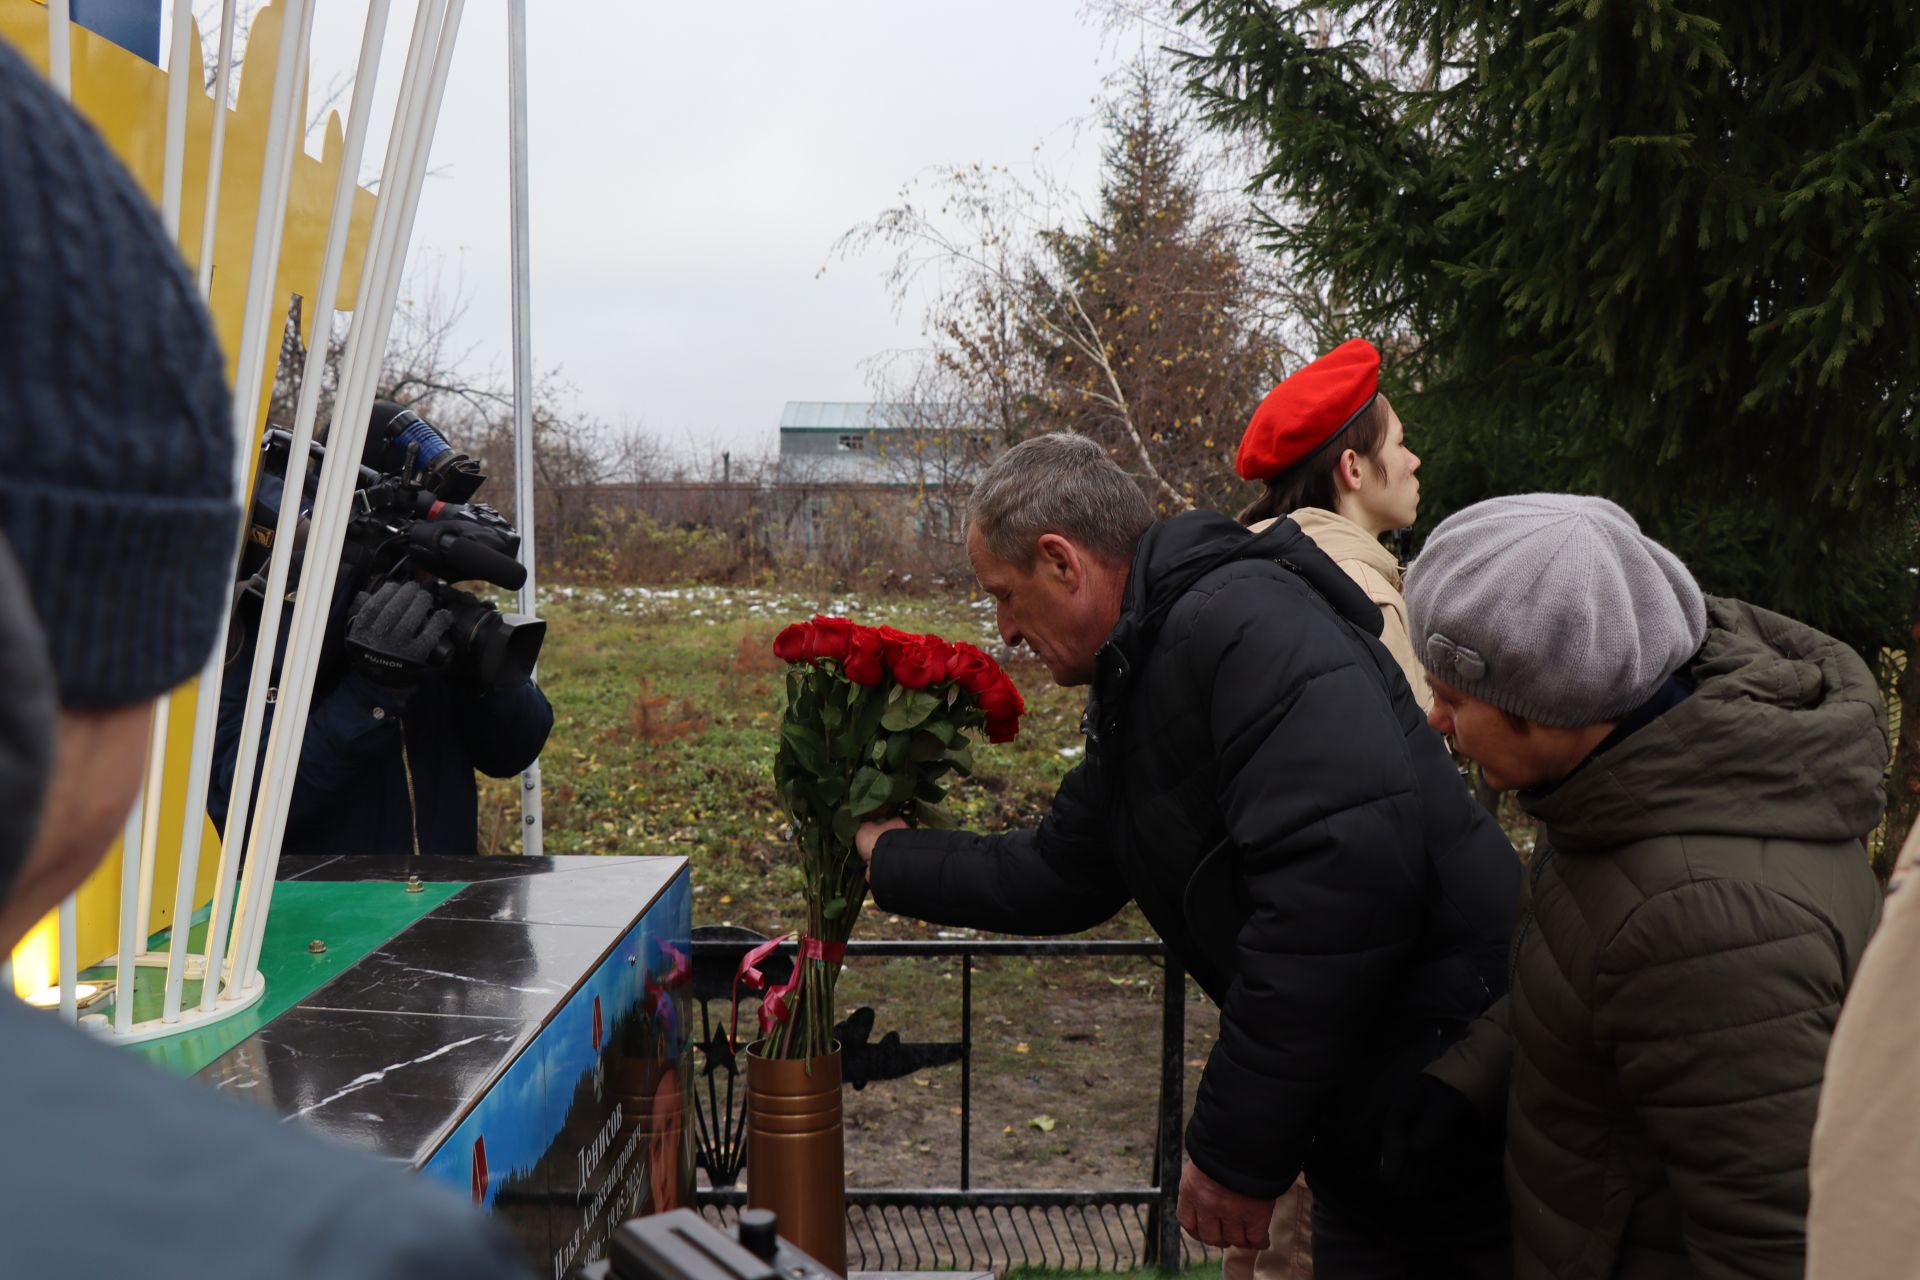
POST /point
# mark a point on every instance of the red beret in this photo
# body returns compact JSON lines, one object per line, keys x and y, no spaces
{"x":1306,"y":410}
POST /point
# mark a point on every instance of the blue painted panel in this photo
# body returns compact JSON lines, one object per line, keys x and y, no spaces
{"x":593,"y":1121}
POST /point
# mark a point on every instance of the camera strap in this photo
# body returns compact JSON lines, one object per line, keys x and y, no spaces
{"x":406,"y":771}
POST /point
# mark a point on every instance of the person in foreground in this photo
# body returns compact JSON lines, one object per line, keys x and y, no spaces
{"x":1861,"y":1224}
{"x":1260,"y":781}
{"x":116,"y":496}
{"x":1703,"y":773}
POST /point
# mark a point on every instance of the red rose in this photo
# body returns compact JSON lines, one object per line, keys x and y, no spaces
{"x":866,"y":656}
{"x":795,"y":644}
{"x":1002,"y":730}
{"x":1001,"y":701}
{"x":897,"y":641}
{"x":830,"y":637}
{"x":971,"y":669}
{"x":921,"y":663}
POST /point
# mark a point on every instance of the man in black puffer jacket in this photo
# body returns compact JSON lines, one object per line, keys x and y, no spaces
{"x":1260,"y":780}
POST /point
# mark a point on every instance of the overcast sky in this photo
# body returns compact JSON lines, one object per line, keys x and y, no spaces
{"x":692,"y":166}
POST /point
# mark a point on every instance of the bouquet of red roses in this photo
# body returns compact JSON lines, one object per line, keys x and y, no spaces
{"x":876,"y":719}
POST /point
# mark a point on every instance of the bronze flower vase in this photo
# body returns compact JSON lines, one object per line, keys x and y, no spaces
{"x":796,"y":1151}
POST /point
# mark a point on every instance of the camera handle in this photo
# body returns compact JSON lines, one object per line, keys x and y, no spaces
{"x":443,"y":551}
{"x":681,"y":1245}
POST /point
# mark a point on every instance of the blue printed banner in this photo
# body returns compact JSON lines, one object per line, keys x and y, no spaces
{"x":592,"y":1124}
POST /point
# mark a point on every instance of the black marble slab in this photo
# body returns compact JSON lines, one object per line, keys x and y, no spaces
{"x":443,"y":869}
{"x":392,"y":1054}
{"x":472,"y":968}
{"x":390,"y":1082}
{"x":588,"y":896}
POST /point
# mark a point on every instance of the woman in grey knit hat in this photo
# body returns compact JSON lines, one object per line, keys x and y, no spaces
{"x":1703,"y":773}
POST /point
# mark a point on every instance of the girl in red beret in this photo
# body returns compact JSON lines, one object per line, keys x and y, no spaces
{"x":1335,"y":460}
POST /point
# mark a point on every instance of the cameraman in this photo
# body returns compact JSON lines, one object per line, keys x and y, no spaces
{"x":396,"y":727}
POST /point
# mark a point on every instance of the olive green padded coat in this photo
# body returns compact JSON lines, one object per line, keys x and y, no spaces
{"x":1698,"y":908}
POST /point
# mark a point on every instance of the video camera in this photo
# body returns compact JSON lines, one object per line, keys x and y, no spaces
{"x":681,"y":1245}
{"x":412,"y":515}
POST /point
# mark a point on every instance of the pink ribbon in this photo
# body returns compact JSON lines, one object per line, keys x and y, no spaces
{"x":774,"y":1006}
{"x":749,"y":973}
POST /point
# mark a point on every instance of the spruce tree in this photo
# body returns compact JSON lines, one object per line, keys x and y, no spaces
{"x":1667,"y":253}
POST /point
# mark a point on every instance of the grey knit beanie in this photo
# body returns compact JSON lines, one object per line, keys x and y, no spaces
{"x":116,"y":448}
{"x":1553,"y":607}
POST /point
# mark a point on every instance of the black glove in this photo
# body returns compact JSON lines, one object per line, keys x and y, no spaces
{"x":1432,"y":1141}
{"x":394,"y":636}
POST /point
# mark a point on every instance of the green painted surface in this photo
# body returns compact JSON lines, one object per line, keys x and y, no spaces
{"x":351,"y":918}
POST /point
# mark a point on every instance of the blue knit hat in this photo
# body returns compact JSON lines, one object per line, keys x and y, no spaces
{"x":116,"y":446}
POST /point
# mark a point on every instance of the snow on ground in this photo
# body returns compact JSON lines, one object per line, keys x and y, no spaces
{"x":715,"y":604}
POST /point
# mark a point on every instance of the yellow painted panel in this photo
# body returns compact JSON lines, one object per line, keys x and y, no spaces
{"x":126,"y":99}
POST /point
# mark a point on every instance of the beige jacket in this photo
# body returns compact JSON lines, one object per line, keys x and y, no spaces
{"x":1864,"y":1222}
{"x":1371,"y":565}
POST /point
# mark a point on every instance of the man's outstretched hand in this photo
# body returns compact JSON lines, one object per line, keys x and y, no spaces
{"x":869,"y":835}
{"x":1220,"y":1216}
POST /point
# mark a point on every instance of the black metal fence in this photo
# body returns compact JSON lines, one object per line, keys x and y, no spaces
{"x":967,"y":1227}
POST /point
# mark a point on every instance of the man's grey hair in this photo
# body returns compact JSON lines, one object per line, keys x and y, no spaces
{"x":1058,"y":483}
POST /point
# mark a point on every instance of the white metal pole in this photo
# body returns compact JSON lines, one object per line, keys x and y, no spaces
{"x":216,"y":145}
{"x":335,"y":488}
{"x":150,"y":824}
{"x":339,"y":230}
{"x":258,"y":361}
{"x":284,"y":136}
{"x":139,"y":841}
{"x":69,"y":959}
{"x":60,"y":47}
{"x":136,"y":860}
{"x":127,"y":964}
{"x":532,"y":829}
{"x":348,"y":430}
{"x":173,"y":175}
